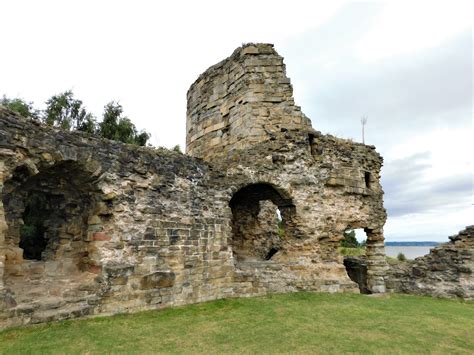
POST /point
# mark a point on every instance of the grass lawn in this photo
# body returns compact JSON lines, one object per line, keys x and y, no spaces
{"x":289,"y":323}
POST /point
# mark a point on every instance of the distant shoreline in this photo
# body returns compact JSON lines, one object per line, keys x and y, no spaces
{"x":411,"y":244}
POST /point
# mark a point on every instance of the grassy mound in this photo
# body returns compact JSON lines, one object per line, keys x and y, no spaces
{"x":296,"y":323}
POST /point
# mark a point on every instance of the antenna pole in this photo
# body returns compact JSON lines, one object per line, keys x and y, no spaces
{"x":363,"y":120}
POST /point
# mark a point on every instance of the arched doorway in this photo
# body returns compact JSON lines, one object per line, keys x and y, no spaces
{"x":262,"y":218}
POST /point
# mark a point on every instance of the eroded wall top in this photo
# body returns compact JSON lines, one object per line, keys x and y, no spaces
{"x":243,"y":100}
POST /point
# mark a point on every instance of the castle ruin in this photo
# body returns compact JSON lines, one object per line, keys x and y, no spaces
{"x":258,"y":205}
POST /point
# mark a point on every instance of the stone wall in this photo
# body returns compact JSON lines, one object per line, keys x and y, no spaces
{"x":319,"y":197}
{"x":447,"y":271}
{"x":127,"y":228}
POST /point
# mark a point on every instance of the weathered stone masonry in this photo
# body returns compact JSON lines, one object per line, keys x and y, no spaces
{"x":129,"y":228}
{"x":126,"y":228}
{"x":243,"y":120}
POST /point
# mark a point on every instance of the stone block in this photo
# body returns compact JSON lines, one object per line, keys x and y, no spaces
{"x":158,"y":279}
{"x":249,"y":50}
{"x":13,"y":255}
{"x":100,"y":237}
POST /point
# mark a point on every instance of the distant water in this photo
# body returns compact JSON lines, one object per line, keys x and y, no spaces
{"x":409,"y":252}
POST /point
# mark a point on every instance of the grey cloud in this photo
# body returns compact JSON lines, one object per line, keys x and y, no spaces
{"x":400,"y":172}
{"x":406,"y":192}
{"x":458,"y":184}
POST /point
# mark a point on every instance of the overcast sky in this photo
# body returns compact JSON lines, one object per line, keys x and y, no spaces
{"x":407,"y":66}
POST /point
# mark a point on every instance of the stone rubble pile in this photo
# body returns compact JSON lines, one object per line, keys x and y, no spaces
{"x":447,"y":271}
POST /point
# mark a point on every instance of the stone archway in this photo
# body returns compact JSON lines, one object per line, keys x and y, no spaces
{"x":49,"y":215}
{"x":262,"y":217}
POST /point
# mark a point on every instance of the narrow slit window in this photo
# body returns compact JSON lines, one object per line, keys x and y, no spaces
{"x":313,"y":146}
{"x":367,"y":179}
{"x":311,"y":142}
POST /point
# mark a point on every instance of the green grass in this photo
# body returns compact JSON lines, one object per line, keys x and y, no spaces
{"x":351,"y":251}
{"x":394,"y":261}
{"x":288,"y":323}
{"x":361,"y":251}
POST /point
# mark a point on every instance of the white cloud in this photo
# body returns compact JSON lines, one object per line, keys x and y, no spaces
{"x":145,"y":54}
{"x":405,"y":27}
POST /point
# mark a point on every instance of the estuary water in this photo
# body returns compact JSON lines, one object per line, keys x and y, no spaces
{"x":409,"y":251}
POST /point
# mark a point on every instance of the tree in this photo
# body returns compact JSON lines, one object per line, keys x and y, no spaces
{"x":117,"y":127}
{"x":349,"y":240}
{"x":68,"y":113}
{"x":20,"y":106}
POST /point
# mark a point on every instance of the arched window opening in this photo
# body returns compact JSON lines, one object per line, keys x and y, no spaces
{"x":262,"y":219}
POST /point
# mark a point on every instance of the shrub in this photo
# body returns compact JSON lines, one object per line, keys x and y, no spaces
{"x":401,"y":257}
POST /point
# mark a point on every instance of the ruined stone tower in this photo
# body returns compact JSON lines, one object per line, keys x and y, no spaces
{"x":259,"y":205}
{"x":242,"y":118}
{"x":243,"y":100}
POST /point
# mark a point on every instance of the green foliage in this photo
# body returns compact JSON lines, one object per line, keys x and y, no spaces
{"x":28,"y":231}
{"x":401,"y":257}
{"x":117,"y":127}
{"x":349,"y":240}
{"x":20,"y":106}
{"x":64,"y":111}
{"x":35,"y":208}
{"x":281,"y":229}
{"x":176,"y":148}
{"x":68,"y":113}
{"x":312,"y":323}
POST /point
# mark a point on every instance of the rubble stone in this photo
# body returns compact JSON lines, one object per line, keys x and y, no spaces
{"x":447,"y":271}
